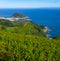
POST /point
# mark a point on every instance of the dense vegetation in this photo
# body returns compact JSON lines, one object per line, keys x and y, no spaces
{"x":26,"y":41}
{"x":22,"y":27}
{"x":18,"y":15}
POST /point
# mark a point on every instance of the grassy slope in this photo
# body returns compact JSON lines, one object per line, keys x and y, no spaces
{"x":20,"y":47}
{"x":23,"y":27}
{"x":18,"y":44}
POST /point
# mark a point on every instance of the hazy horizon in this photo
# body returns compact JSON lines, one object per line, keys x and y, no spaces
{"x":30,"y":4}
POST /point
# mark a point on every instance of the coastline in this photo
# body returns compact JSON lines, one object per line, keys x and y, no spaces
{"x":46,"y":29}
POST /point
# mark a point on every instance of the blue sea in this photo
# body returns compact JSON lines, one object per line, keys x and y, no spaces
{"x":49,"y":17}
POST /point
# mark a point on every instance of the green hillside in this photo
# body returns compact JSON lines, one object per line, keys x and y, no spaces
{"x":26,"y":41}
{"x":18,"y":15}
{"x":23,"y":27}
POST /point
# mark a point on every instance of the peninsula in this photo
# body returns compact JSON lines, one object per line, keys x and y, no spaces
{"x":16,"y":17}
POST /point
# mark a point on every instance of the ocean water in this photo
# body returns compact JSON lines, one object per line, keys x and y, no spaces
{"x":48,"y":17}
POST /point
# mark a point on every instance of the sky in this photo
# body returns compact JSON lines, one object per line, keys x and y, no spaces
{"x":29,"y":3}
